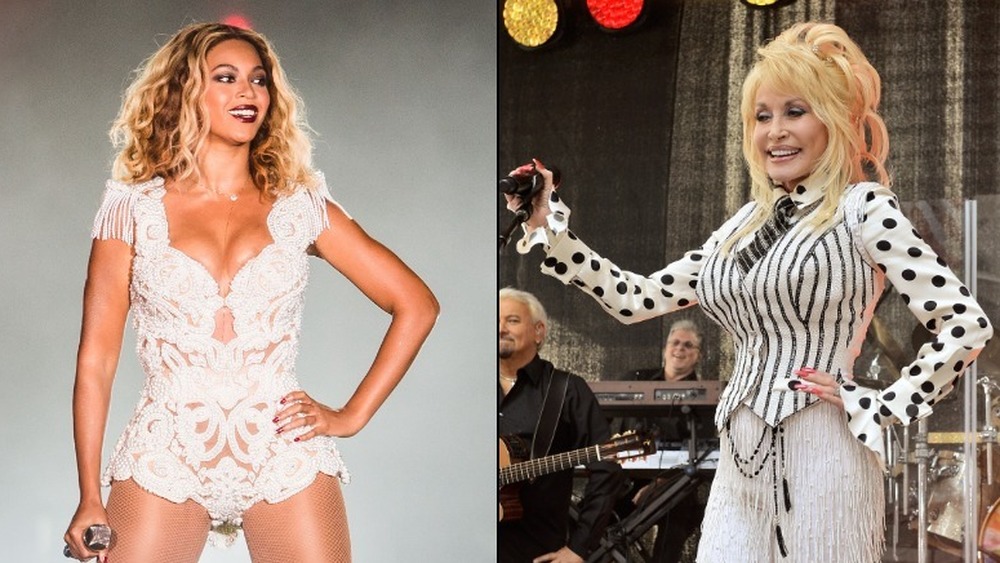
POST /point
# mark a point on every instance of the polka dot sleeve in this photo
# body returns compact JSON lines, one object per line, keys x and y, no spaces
{"x":936,"y":298}
{"x":625,"y":295}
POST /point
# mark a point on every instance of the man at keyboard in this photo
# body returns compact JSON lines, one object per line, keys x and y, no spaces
{"x":681,"y":354}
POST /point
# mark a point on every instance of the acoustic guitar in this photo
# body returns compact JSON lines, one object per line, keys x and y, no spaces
{"x":512,"y":472}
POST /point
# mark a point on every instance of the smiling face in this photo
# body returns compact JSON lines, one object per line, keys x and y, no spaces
{"x":788,"y":136}
{"x":520,"y":334}
{"x":680,"y":354}
{"x":236,"y":95}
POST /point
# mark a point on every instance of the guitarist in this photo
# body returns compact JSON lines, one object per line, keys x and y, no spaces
{"x":544,"y":532}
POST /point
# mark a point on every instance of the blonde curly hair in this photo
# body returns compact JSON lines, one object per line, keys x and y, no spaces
{"x":163,"y":123}
{"x":827,"y":69}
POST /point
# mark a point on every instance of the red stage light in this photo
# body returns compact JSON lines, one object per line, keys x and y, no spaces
{"x":237,"y":20}
{"x":615,"y":15}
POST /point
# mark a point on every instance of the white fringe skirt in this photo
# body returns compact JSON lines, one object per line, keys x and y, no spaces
{"x":835,"y":507}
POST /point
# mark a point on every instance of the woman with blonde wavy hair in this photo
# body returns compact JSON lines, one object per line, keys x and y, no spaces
{"x":204,"y":236}
{"x":794,"y":277}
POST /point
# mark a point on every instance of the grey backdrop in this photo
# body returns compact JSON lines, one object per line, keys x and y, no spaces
{"x":403,"y":97}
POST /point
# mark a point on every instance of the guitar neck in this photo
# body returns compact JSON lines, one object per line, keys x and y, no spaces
{"x":527,"y":470}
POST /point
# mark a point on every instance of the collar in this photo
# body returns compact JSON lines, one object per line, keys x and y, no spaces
{"x":804,"y":195}
{"x":533,"y":370}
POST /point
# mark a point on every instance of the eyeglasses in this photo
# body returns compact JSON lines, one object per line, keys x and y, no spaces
{"x":685,"y":344}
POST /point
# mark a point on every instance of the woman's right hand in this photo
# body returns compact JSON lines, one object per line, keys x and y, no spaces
{"x":87,"y":514}
{"x":540,"y":203}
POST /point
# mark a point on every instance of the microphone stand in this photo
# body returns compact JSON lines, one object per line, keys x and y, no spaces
{"x":520,"y":216}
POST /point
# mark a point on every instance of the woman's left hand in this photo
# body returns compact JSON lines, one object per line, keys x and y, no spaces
{"x":320,"y":420}
{"x":820,"y":384}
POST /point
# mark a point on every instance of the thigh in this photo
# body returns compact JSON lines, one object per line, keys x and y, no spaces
{"x":308,"y":527}
{"x":152,"y":529}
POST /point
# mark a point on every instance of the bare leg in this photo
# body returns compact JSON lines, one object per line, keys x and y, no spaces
{"x":309,"y":527}
{"x":152,"y":529}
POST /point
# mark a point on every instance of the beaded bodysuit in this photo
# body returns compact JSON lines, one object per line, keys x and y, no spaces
{"x":202,"y":429}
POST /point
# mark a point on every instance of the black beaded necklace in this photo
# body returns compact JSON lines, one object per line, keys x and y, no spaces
{"x":751,"y":466}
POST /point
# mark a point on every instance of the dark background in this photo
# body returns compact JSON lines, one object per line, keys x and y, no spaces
{"x":644,"y":126}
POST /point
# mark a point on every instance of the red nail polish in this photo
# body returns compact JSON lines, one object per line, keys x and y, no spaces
{"x":296,"y":439}
{"x":282,"y":400}
{"x":279,"y":430}
{"x":274,"y":420}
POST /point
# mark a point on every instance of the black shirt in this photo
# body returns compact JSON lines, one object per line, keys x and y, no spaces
{"x":545,"y":528}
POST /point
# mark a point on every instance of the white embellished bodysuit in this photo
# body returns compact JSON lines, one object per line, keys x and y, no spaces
{"x":203,"y":429}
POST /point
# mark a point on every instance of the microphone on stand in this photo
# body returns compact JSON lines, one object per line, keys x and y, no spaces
{"x":526,"y":187}
{"x":96,"y":538}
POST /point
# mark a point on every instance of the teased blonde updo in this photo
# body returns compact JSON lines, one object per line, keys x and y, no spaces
{"x":821,"y":64}
{"x":162,"y":124}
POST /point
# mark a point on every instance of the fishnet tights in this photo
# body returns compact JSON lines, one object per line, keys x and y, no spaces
{"x":309,"y":527}
{"x":150,"y":529}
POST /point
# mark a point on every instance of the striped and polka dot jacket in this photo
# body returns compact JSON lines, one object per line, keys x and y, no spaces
{"x":807,"y":301}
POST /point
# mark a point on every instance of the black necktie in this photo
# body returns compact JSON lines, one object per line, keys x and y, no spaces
{"x":776,"y":226}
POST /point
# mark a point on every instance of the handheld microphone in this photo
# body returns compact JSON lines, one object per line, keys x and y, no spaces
{"x":526,"y":186}
{"x":96,"y":538}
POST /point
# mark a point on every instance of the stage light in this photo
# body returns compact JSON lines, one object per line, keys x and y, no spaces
{"x":615,"y":15}
{"x":766,"y":3}
{"x":237,"y":20}
{"x":531,"y":23}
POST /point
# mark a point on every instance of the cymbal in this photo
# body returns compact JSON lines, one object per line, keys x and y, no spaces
{"x":959,"y":437}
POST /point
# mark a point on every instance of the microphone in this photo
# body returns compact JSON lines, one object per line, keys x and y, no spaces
{"x":526,"y":187}
{"x":96,"y":538}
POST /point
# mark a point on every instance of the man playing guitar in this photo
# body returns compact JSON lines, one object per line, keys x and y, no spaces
{"x":542,"y":532}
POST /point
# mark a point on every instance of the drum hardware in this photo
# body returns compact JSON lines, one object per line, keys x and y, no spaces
{"x":944,"y":503}
{"x":989,"y":535}
{"x":982,"y":437}
{"x":897,"y":456}
{"x":990,"y":430}
{"x":922,"y":453}
{"x":941,"y":517}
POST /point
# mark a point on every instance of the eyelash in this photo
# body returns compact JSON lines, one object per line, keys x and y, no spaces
{"x":791,"y":112}
{"x":229,"y":79}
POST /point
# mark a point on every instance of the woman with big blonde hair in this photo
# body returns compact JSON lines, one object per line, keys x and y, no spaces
{"x":794,"y":277}
{"x":204,"y":236}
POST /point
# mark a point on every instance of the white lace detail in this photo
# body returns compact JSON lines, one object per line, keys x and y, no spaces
{"x":203,"y":426}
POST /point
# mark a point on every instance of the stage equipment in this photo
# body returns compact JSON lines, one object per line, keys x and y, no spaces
{"x":645,"y":398}
{"x":616,"y":15}
{"x":766,"y":3}
{"x":533,"y":23}
{"x":683,"y":468}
